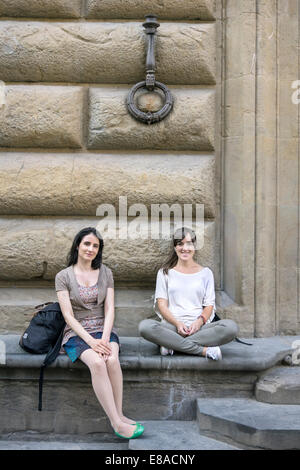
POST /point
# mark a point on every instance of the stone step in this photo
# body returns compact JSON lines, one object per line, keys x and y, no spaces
{"x":280,"y":385}
{"x":155,"y":387}
{"x":250,"y":424}
{"x":175,"y":435}
{"x":158,"y":435}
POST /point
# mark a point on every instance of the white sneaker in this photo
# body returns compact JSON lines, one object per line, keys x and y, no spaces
{"x":214,"y":353}
{"x":165,"y":352}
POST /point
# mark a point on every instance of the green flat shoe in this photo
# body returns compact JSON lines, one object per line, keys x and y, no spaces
{"x":137,"y":432}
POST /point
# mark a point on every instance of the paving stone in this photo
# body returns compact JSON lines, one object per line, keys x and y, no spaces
{"x":175,"y":435}
{"x":36,"y":441}
{"x":58,"y":445}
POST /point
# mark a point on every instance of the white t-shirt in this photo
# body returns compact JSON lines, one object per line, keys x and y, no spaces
{"x":187,"y":293}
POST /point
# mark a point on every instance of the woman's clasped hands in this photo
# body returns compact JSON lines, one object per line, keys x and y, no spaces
{"x":102,"y":347}
{"x":184,"y":330}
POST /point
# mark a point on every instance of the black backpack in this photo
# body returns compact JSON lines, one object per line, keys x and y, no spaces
{"x":44,"y":336}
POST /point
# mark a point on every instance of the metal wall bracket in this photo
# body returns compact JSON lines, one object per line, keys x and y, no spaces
{"x":150,"y":83}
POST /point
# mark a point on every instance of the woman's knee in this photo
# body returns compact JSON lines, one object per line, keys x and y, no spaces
{"x":113,"y":361}
{"x":231,"y":329}
{"x":146,"y":326}
{"x":97,"y":364}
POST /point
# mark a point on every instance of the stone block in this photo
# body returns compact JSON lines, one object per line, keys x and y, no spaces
{"x":41,"y":8}
{"x":60,"y":184}
{"x":18,"y":304}
{"x":174,"y":9}
{"x":36,"y":249}
{"x":280,"y":385}
{"x":93,"y":52}
{"x":41,"y":116}
{"x":250,"y":423}
{"x":189,"y":126}
{"x":288,"y":41}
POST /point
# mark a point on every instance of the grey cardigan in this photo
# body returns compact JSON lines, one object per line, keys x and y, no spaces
{"x":66,"y":280}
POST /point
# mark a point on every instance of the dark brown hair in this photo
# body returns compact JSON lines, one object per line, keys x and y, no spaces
{"x":178,"y":236}
{"x":73,"y":253}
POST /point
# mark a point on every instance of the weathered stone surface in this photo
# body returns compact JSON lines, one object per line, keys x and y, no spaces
{"x":17,"y":306}
{"x":41,"y":8}
{"x":280,"y":385}
{"x":189,"y":126}
{"x":239,"y":156}
{"x":69,"y":403}
{"x":41,"y":116}
{"x":287,"y":166}
{"x":105,"y":52}
{"x":174,"y":9}
{"x":250,"y":423}
{"x":36,"y":248}
{"x":77,"y":184}
{"x":29,"y":440}
{"x":185,"y":435}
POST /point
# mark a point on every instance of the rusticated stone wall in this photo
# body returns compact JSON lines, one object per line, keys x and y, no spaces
{"x":67,"y":145}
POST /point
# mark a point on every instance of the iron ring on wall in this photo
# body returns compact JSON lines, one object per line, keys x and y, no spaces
{"x":149,"y":117}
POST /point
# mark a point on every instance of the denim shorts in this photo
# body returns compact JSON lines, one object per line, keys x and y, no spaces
{"x":75,"y":346}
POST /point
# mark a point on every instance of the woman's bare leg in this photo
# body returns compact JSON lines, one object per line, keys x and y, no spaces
{"x":103,"y":390}
{"x":116,"y":379}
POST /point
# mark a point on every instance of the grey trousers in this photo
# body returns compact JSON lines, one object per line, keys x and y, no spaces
{"x":165,"y":334}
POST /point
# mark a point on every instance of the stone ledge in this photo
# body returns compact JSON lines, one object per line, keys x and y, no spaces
{"x":137,"y":353}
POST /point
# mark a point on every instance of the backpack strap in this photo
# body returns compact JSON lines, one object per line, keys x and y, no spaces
{"x":51,"y":356}
{"x":238,"y":340}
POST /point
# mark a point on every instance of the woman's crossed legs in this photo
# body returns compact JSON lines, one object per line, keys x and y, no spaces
{"x":212,"y":334}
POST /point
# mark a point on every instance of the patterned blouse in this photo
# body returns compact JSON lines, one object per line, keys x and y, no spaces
{"x":87,"y":302}
{"x":89,"y":296}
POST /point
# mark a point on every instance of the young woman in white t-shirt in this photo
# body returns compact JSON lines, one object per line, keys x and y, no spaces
{"x":185,"y":299}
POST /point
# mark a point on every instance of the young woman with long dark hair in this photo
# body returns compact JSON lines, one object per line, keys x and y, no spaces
{"x":85,"y":291}
{"x":185,"y":298}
